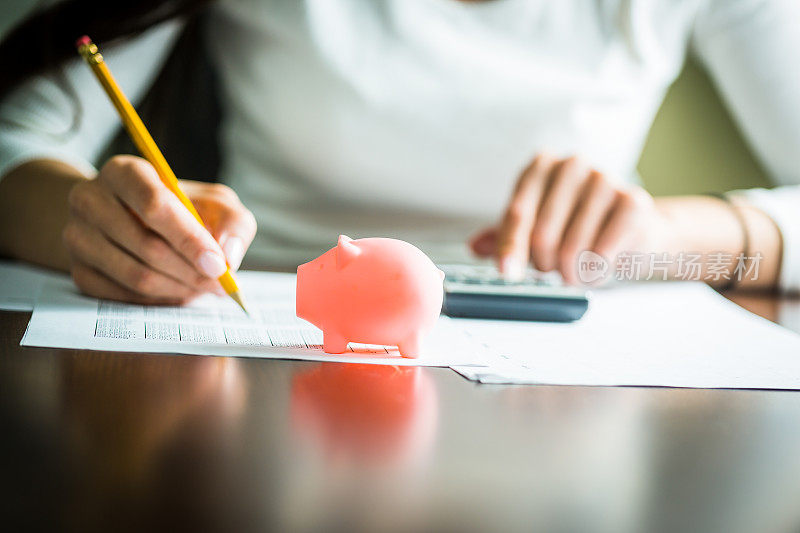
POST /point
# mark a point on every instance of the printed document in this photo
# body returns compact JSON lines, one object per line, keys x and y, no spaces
{"x":645,"y":334}
{"x":216,"y":326}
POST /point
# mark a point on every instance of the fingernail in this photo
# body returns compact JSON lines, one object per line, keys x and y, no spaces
{"x":211,"y":264}
{"x":512,"y":268}
{"x":234,"y":251}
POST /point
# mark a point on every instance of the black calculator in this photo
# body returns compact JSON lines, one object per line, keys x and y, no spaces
{"x":479,"y":291}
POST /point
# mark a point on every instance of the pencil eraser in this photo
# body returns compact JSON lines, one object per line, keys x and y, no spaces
{"x":82,"y":41}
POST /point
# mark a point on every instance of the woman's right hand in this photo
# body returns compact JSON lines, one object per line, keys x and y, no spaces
{"x":130,"y":238}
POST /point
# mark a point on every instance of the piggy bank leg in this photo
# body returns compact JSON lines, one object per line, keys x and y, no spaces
{"x":410,"y":347}
{"x":333,"y":342}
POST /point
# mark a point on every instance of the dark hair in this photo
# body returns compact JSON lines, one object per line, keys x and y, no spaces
{"x":46,"y":39}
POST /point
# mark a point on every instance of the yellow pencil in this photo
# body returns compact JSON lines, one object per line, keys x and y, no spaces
{"x":146,"y":145}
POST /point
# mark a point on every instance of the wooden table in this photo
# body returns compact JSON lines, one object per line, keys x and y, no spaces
{"x":114,"y":441}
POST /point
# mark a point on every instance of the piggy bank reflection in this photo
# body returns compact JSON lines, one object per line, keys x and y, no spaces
{"x":372,"y":291}
{"x":366,"y":414}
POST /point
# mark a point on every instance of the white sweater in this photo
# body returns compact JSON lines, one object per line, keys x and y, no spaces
{"x":412,"y":118}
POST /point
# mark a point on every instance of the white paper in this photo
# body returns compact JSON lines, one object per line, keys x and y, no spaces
{"x":216,"y":326}
{"x":649,"y":334}
{"x":20,"y":284}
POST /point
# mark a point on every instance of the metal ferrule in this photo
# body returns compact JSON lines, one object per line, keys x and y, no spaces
{"x":90,"y":53}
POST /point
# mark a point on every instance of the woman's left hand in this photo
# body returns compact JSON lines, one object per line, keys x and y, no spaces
{"x":561,"y":207}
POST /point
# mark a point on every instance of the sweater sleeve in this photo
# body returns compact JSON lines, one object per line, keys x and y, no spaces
{"x":751,"y":49}
{"x":40,"y":120}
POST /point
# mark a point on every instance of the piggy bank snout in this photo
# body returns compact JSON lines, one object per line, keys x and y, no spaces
{"x":303,"y":296}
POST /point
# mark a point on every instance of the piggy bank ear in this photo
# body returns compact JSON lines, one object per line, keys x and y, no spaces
{"x":346,"y":251}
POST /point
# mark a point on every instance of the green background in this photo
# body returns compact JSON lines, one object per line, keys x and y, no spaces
{"x":694,"y":145}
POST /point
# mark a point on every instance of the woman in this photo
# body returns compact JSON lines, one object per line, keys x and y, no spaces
{"x":407,"y":118}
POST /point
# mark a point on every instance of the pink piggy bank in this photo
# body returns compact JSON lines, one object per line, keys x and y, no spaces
{"x":372,"y":291}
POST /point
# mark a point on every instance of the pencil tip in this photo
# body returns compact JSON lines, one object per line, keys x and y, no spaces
{"x":239,"y":299}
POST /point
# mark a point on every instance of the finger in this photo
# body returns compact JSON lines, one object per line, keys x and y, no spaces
{"x":557,"y":204}
{"x":234,"y":247}
{"x":137,"y":185}
{"x":101,"y":209}
{"x":585,"y":224}
{"x":513,"y":239}
{"x":97,"y":285}
{"x":620,"y":226}
{"x":234,"y":228}
{"x":90,"y":247}
{"x":484,"y":243}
